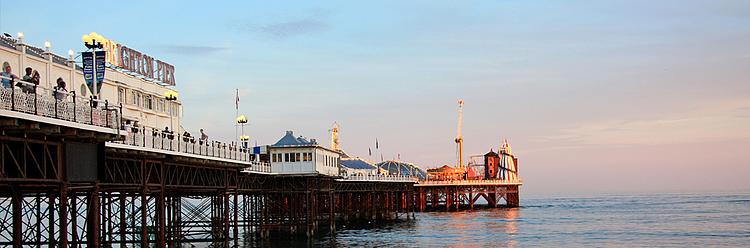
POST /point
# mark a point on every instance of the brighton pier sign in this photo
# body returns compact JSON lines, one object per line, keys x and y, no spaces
{"x":126,"y":58}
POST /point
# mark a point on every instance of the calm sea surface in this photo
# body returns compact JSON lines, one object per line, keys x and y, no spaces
{"x":668,"y":220}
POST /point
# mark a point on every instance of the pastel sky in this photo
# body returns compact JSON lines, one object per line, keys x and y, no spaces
{"x":594,"y":96}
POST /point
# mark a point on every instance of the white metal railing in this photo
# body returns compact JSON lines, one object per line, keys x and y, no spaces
{"x":392,"y":178}
{"x":258,"y":167}
{"x":33,"y":99}
{"x":468,"y":182}
{"x":168,"y":141}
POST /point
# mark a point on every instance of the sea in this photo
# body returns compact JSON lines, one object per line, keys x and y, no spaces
{"x":648,"y":220}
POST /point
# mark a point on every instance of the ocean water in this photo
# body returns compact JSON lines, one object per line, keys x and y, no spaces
{"x":660,"y":220}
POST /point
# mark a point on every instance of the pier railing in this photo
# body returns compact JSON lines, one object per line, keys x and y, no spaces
{"x":167,"y":141}
{"x":469,"y":182}
{"x":29,"y":98}
{"x":384,"y":178}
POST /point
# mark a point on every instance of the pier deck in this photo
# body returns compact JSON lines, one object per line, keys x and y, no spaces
{"x":70,"y":180}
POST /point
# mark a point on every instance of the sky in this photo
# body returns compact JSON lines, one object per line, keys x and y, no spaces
{"x":594,"y":96}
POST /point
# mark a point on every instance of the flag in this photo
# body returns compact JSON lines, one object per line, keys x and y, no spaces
{"x":237,"y":100}
{"x":369,"y":150}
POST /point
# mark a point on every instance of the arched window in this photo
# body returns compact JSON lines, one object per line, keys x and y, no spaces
{"x":83,"y":90}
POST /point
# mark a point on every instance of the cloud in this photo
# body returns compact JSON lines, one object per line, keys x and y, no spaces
{"x":743,"y":112}
{"x":310,"y":23}
{"x":194,"y":50}
{"x":294,"y":28}
{"x":720,"y":121}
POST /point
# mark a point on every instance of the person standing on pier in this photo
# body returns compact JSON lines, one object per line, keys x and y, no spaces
{"x":8,"y":77}
{"x":204,"y":137}
{"x":27,"y":77}
{"x":60,"y":91}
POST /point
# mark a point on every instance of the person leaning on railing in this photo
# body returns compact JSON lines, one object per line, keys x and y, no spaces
{"x":29,"y":82}
{"x":60,"y":92}
{"x":7,"y":76}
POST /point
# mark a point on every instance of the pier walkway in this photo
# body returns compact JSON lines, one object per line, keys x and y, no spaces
{"x":71,"y":175}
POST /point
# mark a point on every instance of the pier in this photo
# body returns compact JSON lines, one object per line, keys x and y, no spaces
{"x":75,"y":173}
{"x":85,"y":183}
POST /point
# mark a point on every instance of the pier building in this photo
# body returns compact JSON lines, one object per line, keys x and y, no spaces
{"x":297,"y":155}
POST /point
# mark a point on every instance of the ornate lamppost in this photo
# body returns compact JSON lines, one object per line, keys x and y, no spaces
{"x":170,"y":96}
{"x":93,"y":41}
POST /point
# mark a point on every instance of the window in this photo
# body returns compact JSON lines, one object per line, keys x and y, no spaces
{"x":160,"y":106}
{"x":286,"y":157}
{"x":148,"y":102}
{"x":83,"y":90}
{"x":273,"y":157}
{"x":121,"y":95}
{"x":132,"y":98}
{"x":297,"y":157}
{"x":175,"y":109}
{"x":138,"y":99}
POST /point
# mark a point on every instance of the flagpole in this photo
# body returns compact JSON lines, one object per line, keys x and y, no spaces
{"x":236,"y":113}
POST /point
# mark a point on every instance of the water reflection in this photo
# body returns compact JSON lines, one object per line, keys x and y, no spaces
{"x":641,"y":221}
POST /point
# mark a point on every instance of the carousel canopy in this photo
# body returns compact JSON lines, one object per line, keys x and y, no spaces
{"x":402,"y":168}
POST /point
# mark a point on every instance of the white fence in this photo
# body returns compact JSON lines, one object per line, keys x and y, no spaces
{"x":380,"y":178}
{"x":469,"y":182}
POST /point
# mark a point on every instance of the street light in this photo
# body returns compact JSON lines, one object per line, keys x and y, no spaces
{"x":242,"y":120}
{"x":93,"y":41}
{"x":170,"y":96}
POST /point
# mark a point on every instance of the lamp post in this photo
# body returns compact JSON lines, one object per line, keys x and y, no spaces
{"x":171,"y":96}
{"x":93,"y":41}
{"x":242,"y":120}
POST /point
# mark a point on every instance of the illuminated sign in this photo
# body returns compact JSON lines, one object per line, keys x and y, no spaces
{"x":135,"y":61}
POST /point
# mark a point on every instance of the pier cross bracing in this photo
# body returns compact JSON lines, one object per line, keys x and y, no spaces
{"x":72,"y":175}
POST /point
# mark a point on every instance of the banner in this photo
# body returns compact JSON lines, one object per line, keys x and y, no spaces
{"x":99,"y":61}
{"x":88,"y":68}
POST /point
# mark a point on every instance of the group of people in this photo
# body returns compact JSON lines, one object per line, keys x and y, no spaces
{"x":133,"y":127}
{"x":29,"y":82}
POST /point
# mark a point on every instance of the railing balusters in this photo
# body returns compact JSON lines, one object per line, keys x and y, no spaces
{"x":74,"y":106}
{"x":55,"y":99}
{"x":36,"y":112}
{"x":106,"y":113}
{"x":12,"y":96}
